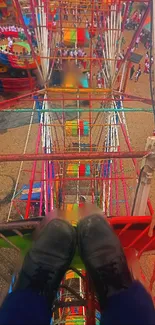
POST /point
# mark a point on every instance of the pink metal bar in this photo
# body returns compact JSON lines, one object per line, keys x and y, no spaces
{"x":124,"y":186}
{"x":116,"y":189}
{"x":32,"y":176}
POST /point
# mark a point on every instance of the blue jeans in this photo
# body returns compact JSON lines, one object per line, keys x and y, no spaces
{"x":130,"y":307}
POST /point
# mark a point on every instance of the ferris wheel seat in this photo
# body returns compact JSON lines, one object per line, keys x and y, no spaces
{"x":79,"y":35}
{"x":73,"y":128}
{"x":81,"y":127}
{"x":84,"y":170}
{"x":68,"y":128}
{"x":77,"y":318}
{"x":86,"y":128}
{"x":87,"y":172}
{"x":72,"y":207}
{"x":72,"y":170}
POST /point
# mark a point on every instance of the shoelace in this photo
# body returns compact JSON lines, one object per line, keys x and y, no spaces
{"x":42,"y":281}
{"x":115,"y":274}
{"x":42,"y":277}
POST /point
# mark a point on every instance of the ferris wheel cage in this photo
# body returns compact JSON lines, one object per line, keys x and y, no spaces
{"x":136,"y":233}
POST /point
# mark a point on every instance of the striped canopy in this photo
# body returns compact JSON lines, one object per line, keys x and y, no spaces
{"x":147,"y":23}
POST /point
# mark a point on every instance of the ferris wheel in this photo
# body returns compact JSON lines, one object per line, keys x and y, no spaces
{"x":82,"y":68}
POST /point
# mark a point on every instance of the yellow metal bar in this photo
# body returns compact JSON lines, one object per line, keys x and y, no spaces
{"x":78,"y":90}
{"x":63,"y":126}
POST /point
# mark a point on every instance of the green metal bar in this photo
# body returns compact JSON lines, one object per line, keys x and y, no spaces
{"x":60,"y":110}
{"x":24,"y":244}
{"x":77,"y":321}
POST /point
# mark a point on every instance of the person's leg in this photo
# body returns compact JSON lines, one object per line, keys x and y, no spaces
{"x":131,"y":75}
{"x":122,"y":300}
{"x":25,"y":307}
{"x":130,"y":307}
{"x":43,"y":269}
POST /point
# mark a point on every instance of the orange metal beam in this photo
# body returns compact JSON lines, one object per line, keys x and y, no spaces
{"x":78,"y":90}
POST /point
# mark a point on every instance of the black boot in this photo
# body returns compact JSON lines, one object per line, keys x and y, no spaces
{"x":48,"y":259}
{"x":103,"y":256}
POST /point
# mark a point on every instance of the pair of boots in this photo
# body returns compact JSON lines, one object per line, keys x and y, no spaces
{"x":51,"y":255}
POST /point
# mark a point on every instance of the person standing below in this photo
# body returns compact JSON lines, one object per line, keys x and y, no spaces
{"x":139,"y":18}
{"x":99,"y":80}
{"x":94,"y":58}
{"x":87,"y":23}
{"x":102,"y":79}
{"x":147,"y":67}
{"x":74,"y":14}
{"x":137,"y":42}
{"x":88,"y":75}
{"x":147,"y":56}
{"x":24,"y":51}
{"x":94,"y":80}
{"x":9,"y":39}
{"x":10,"y":45}
{"x":65,"y":14}
{"x":132,"y":71}
{"x":138,"y":74}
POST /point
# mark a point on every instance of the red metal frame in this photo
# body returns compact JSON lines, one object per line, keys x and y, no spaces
{"x":133,"y":232}
{"x":73,"y":156}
